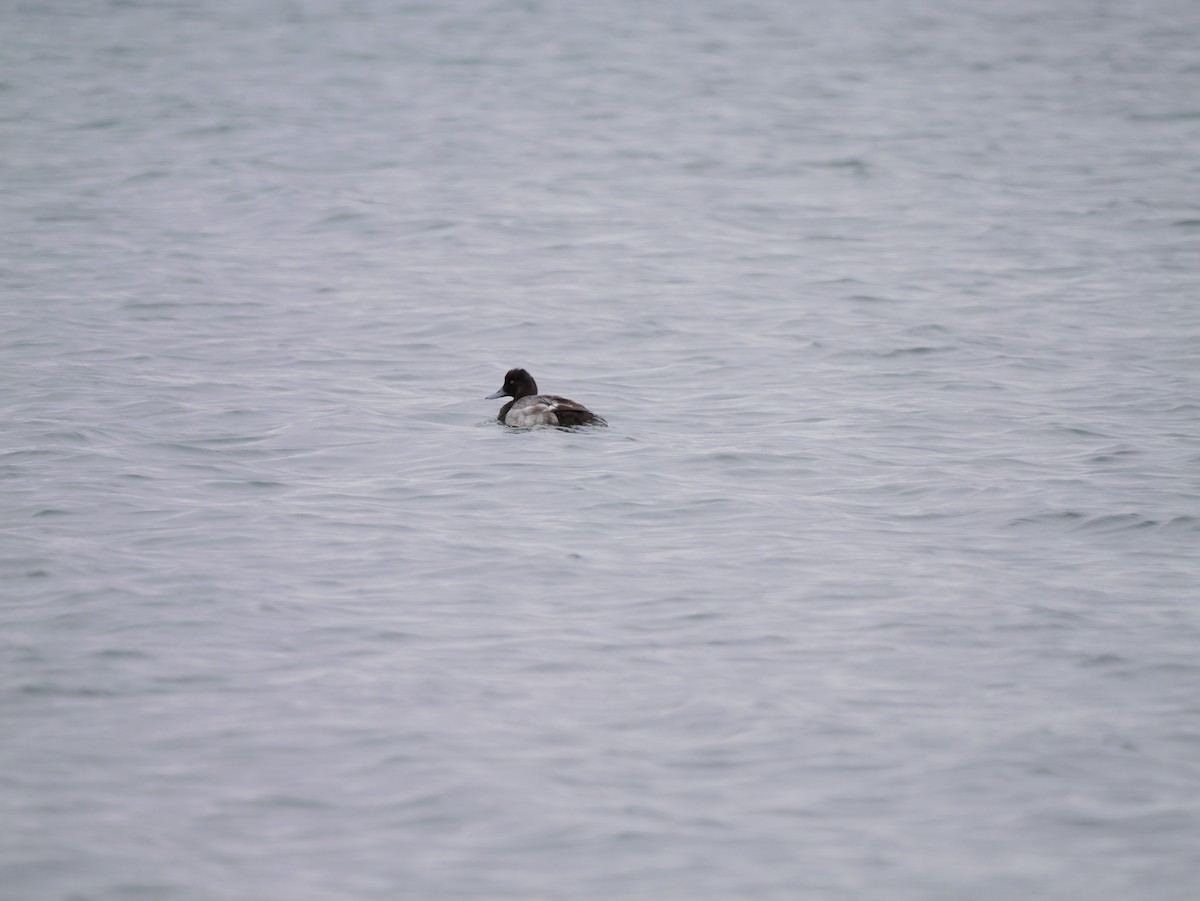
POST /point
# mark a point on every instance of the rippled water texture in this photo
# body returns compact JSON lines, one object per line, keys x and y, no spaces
{"x":881,"y":583}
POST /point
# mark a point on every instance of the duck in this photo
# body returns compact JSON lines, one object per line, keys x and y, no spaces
{"x":528,"y":408}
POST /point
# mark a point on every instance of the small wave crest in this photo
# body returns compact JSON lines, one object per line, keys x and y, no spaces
{"x":1075,"y":521}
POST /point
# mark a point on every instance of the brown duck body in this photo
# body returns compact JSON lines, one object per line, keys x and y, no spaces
{"x":528,"y":408}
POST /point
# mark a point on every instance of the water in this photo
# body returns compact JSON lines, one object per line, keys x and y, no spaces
{"x":880,"y":584}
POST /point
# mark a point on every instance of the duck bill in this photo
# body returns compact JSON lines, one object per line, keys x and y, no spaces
{"x":499,"y":393}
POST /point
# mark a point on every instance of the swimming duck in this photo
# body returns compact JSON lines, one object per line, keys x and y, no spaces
{"x":528,"y":408}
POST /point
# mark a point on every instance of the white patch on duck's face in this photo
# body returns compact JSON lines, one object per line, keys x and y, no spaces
{"x":531,"y":411}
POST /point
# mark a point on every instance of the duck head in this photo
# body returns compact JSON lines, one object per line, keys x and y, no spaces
{"x":517,"y":384}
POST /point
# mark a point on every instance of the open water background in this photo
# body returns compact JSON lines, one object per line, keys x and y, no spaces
{"x":882,"y":583}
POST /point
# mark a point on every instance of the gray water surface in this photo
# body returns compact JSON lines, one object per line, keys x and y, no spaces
{"x":881,"y":583}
